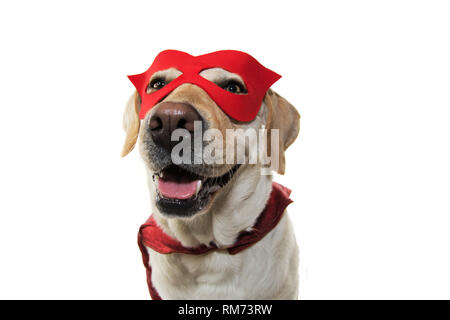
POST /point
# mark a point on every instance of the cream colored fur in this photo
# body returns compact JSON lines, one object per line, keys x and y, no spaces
{"x":266,"y":270}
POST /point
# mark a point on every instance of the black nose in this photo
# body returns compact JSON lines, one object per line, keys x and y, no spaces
{"x":170,"y":116}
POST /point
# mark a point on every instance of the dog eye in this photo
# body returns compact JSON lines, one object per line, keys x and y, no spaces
{"x":156,"y":84}
{"x":234,"y":87}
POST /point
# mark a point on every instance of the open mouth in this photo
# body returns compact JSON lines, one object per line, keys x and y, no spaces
{"x":183,"y":193}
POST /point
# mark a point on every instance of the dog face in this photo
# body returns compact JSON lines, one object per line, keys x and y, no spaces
{"x":190,"y":188}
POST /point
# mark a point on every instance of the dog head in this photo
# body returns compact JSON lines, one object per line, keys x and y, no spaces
{"x":211,"y":156}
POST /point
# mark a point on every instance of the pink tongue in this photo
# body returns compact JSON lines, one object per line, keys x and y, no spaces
{"x":177,"y":190}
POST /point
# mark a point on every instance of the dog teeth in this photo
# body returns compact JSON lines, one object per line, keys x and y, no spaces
{"x":199,"y":186}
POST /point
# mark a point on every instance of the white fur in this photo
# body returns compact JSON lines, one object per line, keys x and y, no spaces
{"x":266,"y":270}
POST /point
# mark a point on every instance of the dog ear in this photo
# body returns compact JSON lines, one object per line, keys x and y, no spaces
{"x":131,"y":123}
{"x":284,"y":117}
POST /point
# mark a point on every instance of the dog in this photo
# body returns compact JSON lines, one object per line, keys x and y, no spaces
{"x":228,"y":200}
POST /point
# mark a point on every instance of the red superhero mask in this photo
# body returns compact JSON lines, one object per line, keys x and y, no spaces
{"x":241,"y":107}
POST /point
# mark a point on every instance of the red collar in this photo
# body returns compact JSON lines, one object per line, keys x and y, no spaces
{"x":152,"y":236}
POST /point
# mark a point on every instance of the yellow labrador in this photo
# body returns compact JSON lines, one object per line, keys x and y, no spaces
{"x":228,"y":201}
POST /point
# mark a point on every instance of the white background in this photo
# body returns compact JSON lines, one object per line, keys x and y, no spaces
{"x":370,"y":170}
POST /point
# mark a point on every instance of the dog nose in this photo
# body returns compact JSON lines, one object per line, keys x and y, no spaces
{"x":170,"y":116}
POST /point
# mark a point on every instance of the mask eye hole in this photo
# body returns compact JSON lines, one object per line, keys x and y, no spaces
{"x":226,"y":80}
{"x":162,"y":78}
{"x":233,"y":87}
{"x":156,"y":84}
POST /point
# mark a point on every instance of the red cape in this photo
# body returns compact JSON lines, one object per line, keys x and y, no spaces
{"x":152,"y":236}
